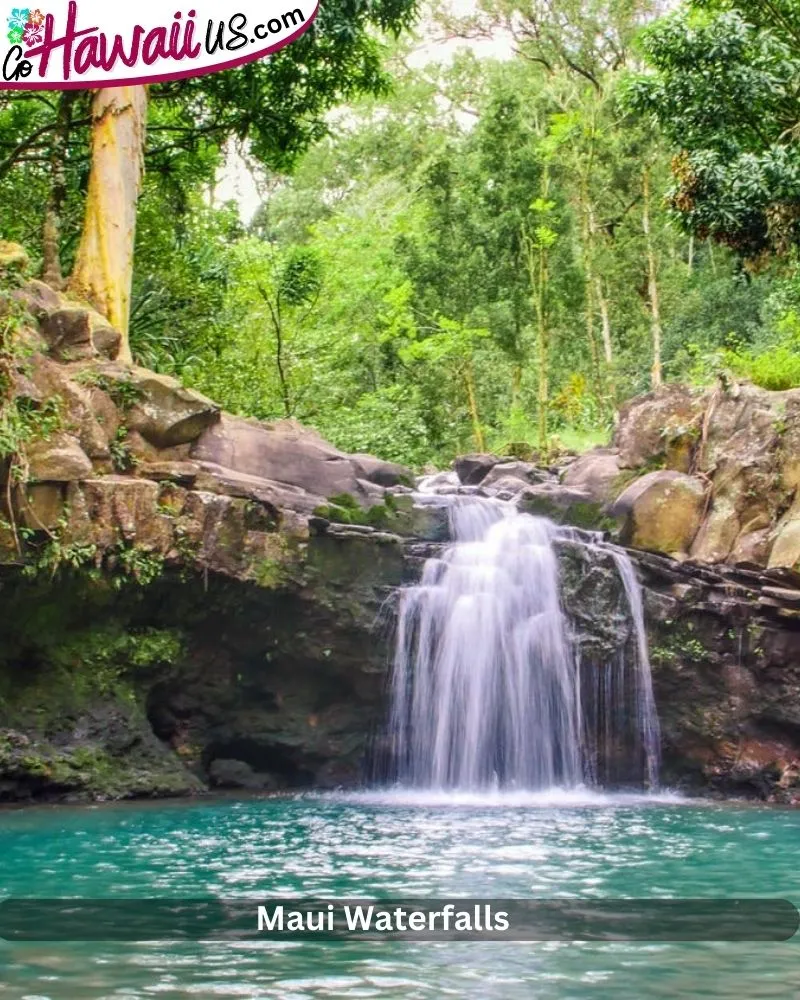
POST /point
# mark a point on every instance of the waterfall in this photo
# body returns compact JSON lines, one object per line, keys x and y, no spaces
{"x":488,"y":689}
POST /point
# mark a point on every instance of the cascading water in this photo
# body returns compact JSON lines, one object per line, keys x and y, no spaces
{"x":487,"y":682}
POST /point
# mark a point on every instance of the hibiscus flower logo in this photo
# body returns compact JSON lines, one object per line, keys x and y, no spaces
{"x":17,"y":21}
{"x":35,"y":18}
{"x":32,"y":34}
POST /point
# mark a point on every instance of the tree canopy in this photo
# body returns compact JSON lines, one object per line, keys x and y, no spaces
{"x":472,"y":253}
{"x":724,"y":92}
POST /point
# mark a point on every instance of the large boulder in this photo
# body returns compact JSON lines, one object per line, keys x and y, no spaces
{"x":70,"y":330}
{"x":59,"y":459}
{"x":743,"y":442}
{"x":660,"y":427}
{"x":750,"y":468}
{"x":524,"y":472}
{"x":284,"y":452}
{"x":596,"y":472}
{"x":376,"y":470}
{"x":785,"y":552}
{"x":68,"y":333}
{"x":563,"y":505}
{"x":156,"y":406}
{"x":472,"y":469}
{"x":662,"y":511}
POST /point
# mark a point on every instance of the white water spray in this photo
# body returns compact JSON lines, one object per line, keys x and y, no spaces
{"x":488,"y":688}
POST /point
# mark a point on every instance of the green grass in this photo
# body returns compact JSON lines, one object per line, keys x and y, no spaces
{"x":581,"y":439}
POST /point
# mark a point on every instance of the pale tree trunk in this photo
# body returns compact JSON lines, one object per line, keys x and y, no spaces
{"x":652,"y":283}
{"x":590,"y":288}
{"x":605,"y":321}
{"x":594,"y":279}
{"x":472,"y":400}
{"x":544,"y":352}
{"x":516,"y":385}
{"x":537,"y":259}
{"x":538,"y":270}
{"x":104,"y":264}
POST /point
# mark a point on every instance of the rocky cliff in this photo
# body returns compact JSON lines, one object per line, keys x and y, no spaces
{"x":189,"y":599}
{"x":192,"y":600}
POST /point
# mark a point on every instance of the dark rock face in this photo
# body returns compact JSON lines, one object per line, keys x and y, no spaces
{"x":224,"y":773}
{"x":473,"y":469}
{"x":725,"y":650}
{"x":286,"y":677}
{"x":167,"y":611}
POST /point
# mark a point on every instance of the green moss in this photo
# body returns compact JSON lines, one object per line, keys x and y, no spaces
{"x":345,"y":509}
{"x":679,"y":645}
{"x":345,"y":500}
{"x":269,"y":573}
{"x":123,"y":391}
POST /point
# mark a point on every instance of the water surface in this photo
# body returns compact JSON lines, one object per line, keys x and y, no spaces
{"x":414,"y":844}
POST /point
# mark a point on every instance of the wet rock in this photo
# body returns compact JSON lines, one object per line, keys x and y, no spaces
{"x":472,"y":469}
{"x":439,"y":481}
{"x":504,"y":487}
{"x":238,"y":774}
{"x":375,"y":470}
{"x":524,"y":472}
{"x":564,"y":505}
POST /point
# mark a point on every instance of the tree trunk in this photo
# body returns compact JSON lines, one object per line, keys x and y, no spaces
{"x":104,"y":265}
{"x":590,"y":288}
{"x":51,"y":231}
{"x":516,"y":385}
{"x":472,"y":400}
{"x":537,"y":265}
{"x":544,"y":353}
{"x":652,"y":283}
{"x":605,"y":320}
